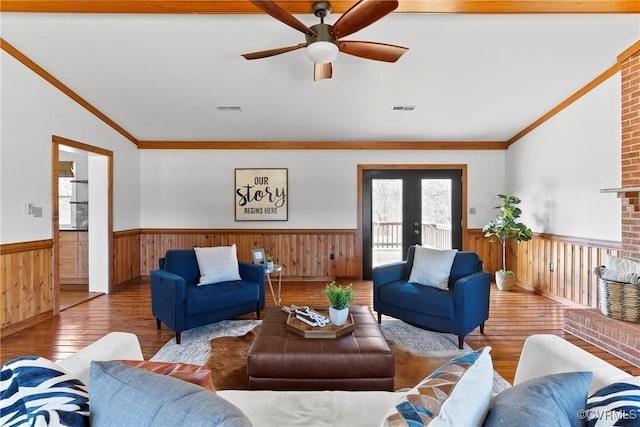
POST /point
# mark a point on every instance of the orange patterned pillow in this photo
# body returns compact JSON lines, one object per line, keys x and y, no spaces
{"x":195,"y":374}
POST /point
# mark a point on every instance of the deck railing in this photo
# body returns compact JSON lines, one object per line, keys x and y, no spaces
{"x":388,"y":235}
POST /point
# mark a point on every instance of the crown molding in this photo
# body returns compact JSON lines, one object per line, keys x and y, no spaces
{"x":605,"y":75}
{"x":322,"y":145}
{"x":33,"y":66}
{"x":629,"y":52}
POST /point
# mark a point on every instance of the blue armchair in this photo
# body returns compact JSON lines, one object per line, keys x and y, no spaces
{"x":178,"y":302}
{"x":459,"y":310}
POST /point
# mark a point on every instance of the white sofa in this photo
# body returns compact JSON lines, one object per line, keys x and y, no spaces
{"x":541,"y":355}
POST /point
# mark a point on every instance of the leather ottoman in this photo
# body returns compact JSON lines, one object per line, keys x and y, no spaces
{"x":281,"y":360}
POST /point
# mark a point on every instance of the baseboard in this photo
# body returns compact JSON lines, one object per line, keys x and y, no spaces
{"x":12,"y":329}
{"x":134,"y":281}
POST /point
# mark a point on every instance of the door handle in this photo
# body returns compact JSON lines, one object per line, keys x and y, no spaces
{"x":416,"y":231}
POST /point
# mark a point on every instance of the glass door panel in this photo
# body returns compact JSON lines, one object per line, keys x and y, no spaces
{"x":436,"y":213}
{"x":402,"y":208}
{"x":386,"y":218}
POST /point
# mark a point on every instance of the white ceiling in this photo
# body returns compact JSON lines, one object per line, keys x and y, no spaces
{"x":471,"y":77}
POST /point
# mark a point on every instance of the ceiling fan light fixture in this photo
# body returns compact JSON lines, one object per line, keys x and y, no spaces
{"x":323,"y":41}
{"x":322,"y":52}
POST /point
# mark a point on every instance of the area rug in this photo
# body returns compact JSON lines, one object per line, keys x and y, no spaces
{"x":195,"y":343}
{"x":418,"y":352}
{"x":223,"y":347}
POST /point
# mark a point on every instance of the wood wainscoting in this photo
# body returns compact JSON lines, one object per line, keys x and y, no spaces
{"x":571,"y":279}
{"x":304,"y":254}
{"x":126,"y":256}
{"x":26,"y":284}
{"x":490,"y":252}
{"x":28,"y":294}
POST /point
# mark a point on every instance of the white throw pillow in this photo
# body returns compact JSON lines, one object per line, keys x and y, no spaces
{"x":456,"y":394}
{"x":431,"y":267}
{"x":218,"y":264}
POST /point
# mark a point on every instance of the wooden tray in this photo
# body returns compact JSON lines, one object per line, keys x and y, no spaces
{"x":298,"y":327}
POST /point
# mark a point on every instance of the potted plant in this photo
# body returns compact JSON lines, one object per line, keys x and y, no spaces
{"x":269,"y":260}
{"x":503,"y":228}
{"x":340,"y":297}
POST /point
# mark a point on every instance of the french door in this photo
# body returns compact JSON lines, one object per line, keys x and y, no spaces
{"x":404,"y":207}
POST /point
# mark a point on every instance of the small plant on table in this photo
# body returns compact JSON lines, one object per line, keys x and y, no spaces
{"x":340,"y":298}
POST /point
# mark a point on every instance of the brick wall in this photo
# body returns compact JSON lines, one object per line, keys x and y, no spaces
{"x":630,"y":162}
{"x":616,"y":337}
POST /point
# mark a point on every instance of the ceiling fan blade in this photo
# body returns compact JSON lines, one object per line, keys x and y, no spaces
{"x":278,"y":12}
{"x":361,"y":14}
{"x":322,"y":71}
{"x":272,"y":52}
{"x":372,"y":50}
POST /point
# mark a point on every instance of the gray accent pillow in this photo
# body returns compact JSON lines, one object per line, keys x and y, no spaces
{"x":121,"y":395}
{"x":557,"y":400}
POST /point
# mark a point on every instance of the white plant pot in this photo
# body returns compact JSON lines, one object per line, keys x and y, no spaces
{"x":269,"y":265}
{"x":338,"y":317}
{"x":505,"y":283}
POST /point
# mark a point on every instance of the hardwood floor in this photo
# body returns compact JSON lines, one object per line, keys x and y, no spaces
{"x":71,"y":295}
{"x":514,"y":316}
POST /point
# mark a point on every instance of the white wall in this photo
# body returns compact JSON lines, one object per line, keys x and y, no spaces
{"x":195,"y":188}
{"x":559,"y":168}
{"x":99,"y":261}
{"x":32,"y":112}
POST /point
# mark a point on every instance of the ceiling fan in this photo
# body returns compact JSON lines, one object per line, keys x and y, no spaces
{"x":324,"y":41}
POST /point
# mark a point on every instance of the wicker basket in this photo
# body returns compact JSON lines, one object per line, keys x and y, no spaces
{"x":620,"y":301}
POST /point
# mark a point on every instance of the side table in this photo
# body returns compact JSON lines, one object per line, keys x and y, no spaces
{"x":277,"y":268}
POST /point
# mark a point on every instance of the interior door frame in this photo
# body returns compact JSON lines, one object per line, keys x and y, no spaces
{"x":361,"y":168}
{"x":57,"y":141}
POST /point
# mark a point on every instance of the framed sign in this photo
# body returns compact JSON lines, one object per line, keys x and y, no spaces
{"x":258,"y":256}
{"x":261,"y":195}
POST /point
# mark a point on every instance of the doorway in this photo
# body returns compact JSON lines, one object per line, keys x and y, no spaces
{"x":82,"y":239}
{"x":402,"y":207}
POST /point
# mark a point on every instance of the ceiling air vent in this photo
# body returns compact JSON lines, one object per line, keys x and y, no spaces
{"x":229,"y":108}
{"x":403,"y":107}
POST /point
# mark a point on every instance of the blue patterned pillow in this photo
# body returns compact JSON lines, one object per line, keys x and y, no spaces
{"x":36,"y":391}
{"x":456,"y":394}
{"x":616,"y":404}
